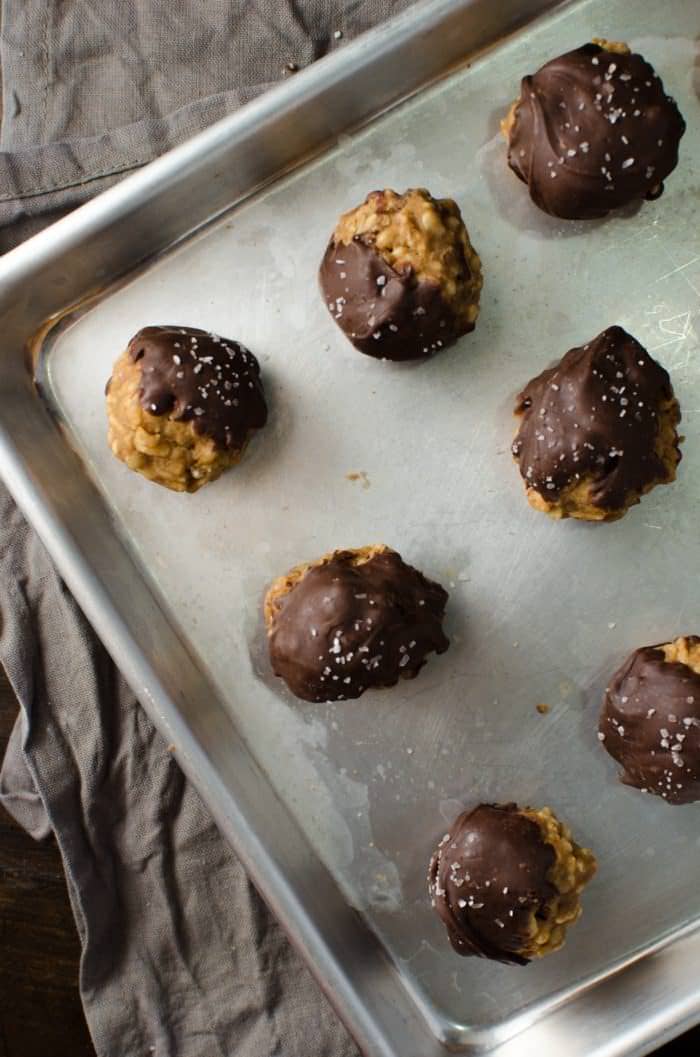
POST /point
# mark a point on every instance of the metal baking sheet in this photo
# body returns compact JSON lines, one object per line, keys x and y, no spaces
{"x":539,"y":611}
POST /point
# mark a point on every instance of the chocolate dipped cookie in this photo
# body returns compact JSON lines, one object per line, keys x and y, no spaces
{"x":353,"y":620}
{"x":598,"y":430}
{"x":593,"y":130}
{"x":506,"y":882}
{"x":400,"y":276}
{"x":650,"y":720}
{"x":182,"y":405}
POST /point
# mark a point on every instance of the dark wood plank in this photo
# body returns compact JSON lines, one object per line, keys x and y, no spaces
{"x":40,"y":1010}
{"x":687,"y":1045}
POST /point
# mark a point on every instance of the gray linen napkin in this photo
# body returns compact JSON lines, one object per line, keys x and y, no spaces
{"x":93,"y":89}
{"x":180,"y":957}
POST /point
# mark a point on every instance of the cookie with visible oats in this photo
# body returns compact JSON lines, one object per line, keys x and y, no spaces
{"x":650,"y":721}
{"x":593,"y":130}
{"x":400,"y":276}
{"x":598,"y":430}
{"x":506,"y":882}
{"x":353,"y":620}
{"x":182,"y":405}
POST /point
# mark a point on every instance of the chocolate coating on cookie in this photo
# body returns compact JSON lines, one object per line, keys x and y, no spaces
{"x":385,"y":313}
{"x":650,"y":724}
{"x":596,"y":416}
{"x":346,"y":625}
{"x":400,"y":276}
{"x":192,"y":375}
{"x":592,"y":131}
{"x":488,"y":877}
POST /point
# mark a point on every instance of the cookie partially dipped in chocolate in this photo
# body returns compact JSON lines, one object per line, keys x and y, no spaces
{"x":598,"y":430}
{"x":506,"y":882}
{"x":400,"y":276}
{"x":593,"y":130}
{"x":353,"y":620}
{"x":182,"y":404}
{"x":650,"y":721}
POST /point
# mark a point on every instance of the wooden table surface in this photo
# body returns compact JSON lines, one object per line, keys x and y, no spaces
{"x":40,"y":1010}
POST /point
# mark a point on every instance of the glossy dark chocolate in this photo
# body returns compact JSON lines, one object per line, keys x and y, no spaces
{"x":487,"y":877}
{"x":650,"y":724}
{"x":593,"y":131}
{"x":196,"y":376}
{"x":386,"y":313}
{"x":346,"y":628}
{"x":595,"y":414}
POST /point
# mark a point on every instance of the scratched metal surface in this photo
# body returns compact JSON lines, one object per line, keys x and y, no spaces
{"x":539,"y":612}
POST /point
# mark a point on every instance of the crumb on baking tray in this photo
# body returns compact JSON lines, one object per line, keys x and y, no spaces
{"x":358,"y":475}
